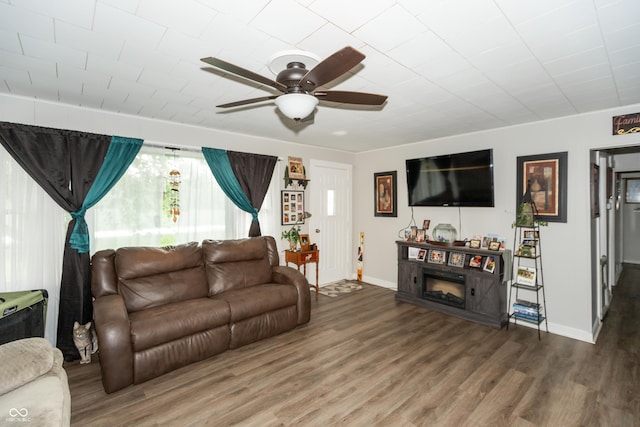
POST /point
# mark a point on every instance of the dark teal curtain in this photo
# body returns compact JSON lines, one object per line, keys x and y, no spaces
{"x":223,"y":173}
{"x":65,"y":164}
{"x":121,"y":152}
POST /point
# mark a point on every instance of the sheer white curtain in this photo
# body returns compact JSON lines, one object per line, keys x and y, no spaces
{"x":135,"y":212}
{"x":33,"y":233}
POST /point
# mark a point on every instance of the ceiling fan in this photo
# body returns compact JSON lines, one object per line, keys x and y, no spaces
{"x":299,"y":85}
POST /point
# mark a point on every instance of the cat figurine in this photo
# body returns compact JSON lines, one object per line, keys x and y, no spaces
{"x":85,"y":339}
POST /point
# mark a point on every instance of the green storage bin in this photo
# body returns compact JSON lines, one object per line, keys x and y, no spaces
{"x":22,"y":314}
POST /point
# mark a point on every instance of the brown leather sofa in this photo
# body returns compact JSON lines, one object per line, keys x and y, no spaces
{"x":157,"y":309}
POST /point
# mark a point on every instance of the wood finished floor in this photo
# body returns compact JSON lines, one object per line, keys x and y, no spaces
{"x":365,"y":360}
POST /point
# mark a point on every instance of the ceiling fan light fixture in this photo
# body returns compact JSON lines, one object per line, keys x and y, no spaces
{"x":296,"y":106}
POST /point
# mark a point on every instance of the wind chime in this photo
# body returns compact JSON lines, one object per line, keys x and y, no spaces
{"x":174,"y":193}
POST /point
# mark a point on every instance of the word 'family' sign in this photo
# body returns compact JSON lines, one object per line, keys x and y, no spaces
{"x":628,"y":123}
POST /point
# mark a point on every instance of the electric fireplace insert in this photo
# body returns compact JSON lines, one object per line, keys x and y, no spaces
{"x":444,"y":287}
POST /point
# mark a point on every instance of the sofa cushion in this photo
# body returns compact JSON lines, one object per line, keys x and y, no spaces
{"x":259,"y":299}
{"x":150,"y":277}
{"x":236,"y":264}
{"x":170,"y":322}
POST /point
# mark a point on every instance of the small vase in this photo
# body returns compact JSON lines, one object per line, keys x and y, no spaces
{"x":445,"y":233}
{"x":293,"y":246}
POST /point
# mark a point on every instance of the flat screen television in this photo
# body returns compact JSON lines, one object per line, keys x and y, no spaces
{"x":462,"y":179}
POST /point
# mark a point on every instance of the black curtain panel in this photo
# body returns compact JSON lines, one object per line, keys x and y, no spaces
{"x":253,"y":172}
{"x":64,"y":163}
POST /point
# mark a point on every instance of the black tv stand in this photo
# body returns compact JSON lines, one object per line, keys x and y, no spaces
{"x":480,"y":293}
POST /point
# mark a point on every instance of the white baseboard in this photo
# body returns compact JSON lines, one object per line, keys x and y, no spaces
{"x":561,"y":330}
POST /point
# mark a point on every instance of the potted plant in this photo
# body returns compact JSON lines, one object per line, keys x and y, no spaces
{"x":527,"y":216}
{"x":293,"y":236}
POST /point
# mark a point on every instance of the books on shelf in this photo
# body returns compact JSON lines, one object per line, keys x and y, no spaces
{"x":526,"y":310}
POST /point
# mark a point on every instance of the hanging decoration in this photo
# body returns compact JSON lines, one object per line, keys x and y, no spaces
{"x":174,"y":192}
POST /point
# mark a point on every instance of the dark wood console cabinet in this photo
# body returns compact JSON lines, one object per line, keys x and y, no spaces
{"x":485,"y":291}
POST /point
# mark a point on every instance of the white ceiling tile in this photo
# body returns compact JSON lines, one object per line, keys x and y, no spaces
{"x":72,"y":74}
{"x":627,"y":56}
{"x":627,"y":77}
{"x":139,"y":56}
{"x":78,"y":12}
{"x":159,"y":78}
{"x":13,"y":77}
{"x":119,"y":25}
{"x":620,"y":14}
{"x":9,"y":42}
{"x":522,"y":75}
{"x":569,"y":64}
{"x":350,"y":15}
{"x":499,"y":57}
{"x":129,"y":6}
{"x":100,"y":64}
{"x":598,"y":71}
{"x":447,"y":18}
{"x":401,"y":24}
{"x":185,"y":16}
{"x":24,"y":21}
{"x":553,"y":27}
{"x":621,"y":38}
{"x":519,"y":11}
{"x":329,"y":39}
{"x":275,"y":19}
{"x":243,"y":11}
{"x":494,"y":33}
{"x":53,"y":52}
{"x":75,"y":37}
{"x":550,"y":49}
{"x":462,"y":81}
{"x":28,"y":63}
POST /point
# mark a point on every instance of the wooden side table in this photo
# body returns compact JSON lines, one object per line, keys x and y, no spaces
{"x":302,"y":258}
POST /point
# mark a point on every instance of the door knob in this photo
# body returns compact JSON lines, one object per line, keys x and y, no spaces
{"x":317,"y":230}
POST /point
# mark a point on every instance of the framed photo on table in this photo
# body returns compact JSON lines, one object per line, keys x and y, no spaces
{"x":489,"y":264}
{"x":385,"y":194}
{"x":545,"y":176}
{"x":456,"y":259}
{"x":436,"y":256}
{"x":304,"y":242}
{"x":292,"y":207}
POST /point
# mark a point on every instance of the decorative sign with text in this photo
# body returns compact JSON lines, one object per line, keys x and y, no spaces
{"x":629,"y":123}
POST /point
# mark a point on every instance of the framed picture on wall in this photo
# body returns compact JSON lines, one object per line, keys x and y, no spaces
{"x":295,"y":168}
{"x":292,"y":207}
{"x":385,"y":197}
{"x":545,"y":177}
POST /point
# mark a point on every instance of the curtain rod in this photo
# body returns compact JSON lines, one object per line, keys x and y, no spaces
{"x":189,"y":149}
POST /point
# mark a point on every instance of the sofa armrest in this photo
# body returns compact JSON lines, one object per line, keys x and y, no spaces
{"x":288,"y":275}
{"x":114,"y":341}
{"x":23,"y":361}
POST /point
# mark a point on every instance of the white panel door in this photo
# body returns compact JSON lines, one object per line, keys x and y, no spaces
{"x":330,"y":223}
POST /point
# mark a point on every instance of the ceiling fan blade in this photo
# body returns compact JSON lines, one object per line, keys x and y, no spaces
{"x":247,"y":101}
{"x":331,"y":68}
{"x":351,"y":97}
{"x":234,"y":69}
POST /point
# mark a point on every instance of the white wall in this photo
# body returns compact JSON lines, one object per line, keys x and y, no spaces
{"x":565,"y":246}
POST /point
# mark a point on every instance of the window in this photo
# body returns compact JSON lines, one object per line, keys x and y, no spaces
{"x":136,"y":211}
{"x":33,"y":234}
